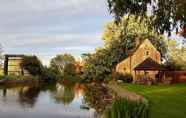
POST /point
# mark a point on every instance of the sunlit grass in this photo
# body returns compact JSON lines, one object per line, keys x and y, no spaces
{"x":167,"y":101}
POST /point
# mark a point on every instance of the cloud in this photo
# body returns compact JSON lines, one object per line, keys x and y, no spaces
{"x":50,"y":6}
{"x":68,"y":39}
{"x":49,"y":27}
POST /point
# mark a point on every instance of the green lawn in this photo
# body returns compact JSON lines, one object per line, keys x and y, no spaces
{"x":166,"y":101}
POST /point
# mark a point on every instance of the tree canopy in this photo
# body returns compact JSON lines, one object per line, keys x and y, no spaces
{"x":33,"y":65}
{"x":136,"y":28}
{"x":165,"y":15}
{"x":176,"y":56}
{"x":61,"y":61}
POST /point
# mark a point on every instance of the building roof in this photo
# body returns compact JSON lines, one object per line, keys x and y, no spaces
{"x":149,"y":64}
{"x":14,"y":55}
{"x":131,"y":52}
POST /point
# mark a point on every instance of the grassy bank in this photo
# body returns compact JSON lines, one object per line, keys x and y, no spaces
{"x":166,"y":101}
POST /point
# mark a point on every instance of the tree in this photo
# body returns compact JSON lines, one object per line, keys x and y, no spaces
{"x":60,"y":61}
{"x":176,"y":56}
{"x":166,"y":15}
{"x":134,"y":29}
{"x":119,"y":40}
{"x":33,"y":65}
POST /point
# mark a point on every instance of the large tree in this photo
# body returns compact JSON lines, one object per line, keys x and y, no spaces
{"x":166,"y":15}
{"x":61,"y":61}
{"x":176,"y":56}
{"x":130,"y":26}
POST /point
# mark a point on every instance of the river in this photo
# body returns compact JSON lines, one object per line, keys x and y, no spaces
{"x":44,"y":101}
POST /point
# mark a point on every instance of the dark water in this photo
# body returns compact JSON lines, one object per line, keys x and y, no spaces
{"x":43,"y":101}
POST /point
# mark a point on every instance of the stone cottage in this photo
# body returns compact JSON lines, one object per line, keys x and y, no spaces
{"x":144,"y":52}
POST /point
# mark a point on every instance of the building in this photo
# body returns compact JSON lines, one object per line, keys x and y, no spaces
{"x":12,"y":65}
{"x":144,"y":55}
{"x":1,"y":70}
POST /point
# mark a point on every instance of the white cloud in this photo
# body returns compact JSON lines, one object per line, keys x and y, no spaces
{"x":48,"y":27}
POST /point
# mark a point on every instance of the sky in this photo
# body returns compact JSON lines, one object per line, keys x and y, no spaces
{"x":49,"y":27}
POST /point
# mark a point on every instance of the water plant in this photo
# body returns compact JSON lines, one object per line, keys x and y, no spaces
{"x":123,"y":108}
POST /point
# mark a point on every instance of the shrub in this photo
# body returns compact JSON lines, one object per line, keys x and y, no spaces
{"x":1,"y":77}
{"x":9,"y":77}
{"x":49,"y":75}
{"x":127,"y":78}
{"x":123,"y":108}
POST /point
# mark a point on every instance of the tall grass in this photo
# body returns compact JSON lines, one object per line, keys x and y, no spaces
{"x":123,"y":108}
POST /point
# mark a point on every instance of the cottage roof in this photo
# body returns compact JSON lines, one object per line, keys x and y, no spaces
{"x":132,"y":51}
{"x":14,"y":55}
{"x":149,"y":64}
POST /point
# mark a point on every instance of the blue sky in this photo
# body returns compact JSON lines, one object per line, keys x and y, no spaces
{"x":49,"y":27}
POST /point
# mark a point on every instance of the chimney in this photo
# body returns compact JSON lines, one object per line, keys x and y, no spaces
{"x":137,"y":41}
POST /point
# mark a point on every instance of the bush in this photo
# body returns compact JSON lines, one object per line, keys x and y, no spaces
{"x":123,"y":108}
{"x":9,"y":77}
{"x":127,"y":78}
{"x":1,"y":77}
{"x":49,"y":75}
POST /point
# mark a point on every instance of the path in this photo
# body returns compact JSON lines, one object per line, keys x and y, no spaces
{"x":124,"y":93}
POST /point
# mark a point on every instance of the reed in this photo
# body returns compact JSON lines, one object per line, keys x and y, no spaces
{"x":123,"y":108}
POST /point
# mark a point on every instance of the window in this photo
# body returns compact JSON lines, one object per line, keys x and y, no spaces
{"x":147,"y":53}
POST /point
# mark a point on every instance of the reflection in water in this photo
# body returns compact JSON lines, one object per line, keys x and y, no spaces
{"x":43,"y":101}
{"x":64,"y":94}
{"x":27,"y":96}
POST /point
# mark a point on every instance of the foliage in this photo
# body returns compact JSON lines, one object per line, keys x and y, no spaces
{"x":123,"y":108}
{"x":49,"y":75}
{"x":70,"y":69}
{"x":9,"y":77}
{"x":176,"y":57}
{"x":119,"y":40}
{"x":1,"y":77}
{"x":127,"y":78}
{"x":137,"y":30}
{"x":60,"y":61}
{"x":165,"y":15}
{"x":33,"y":65}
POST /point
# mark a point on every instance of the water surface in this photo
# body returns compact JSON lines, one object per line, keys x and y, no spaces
{"x":43,"y":101}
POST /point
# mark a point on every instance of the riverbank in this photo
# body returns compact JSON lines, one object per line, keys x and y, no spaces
{"x":22,"y":80}
{"x":124,"y":93}
{"x":166,"y":101}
